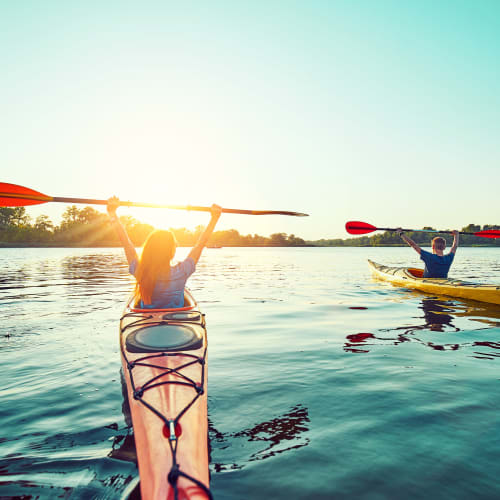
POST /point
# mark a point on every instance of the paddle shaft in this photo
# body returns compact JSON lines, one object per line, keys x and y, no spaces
{"x":88,"y":201}
{"x":13,"y":195}
{"x":413,"y":230}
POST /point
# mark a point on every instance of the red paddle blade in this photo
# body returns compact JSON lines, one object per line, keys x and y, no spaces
{"x":356,"y":227}
{"x":488,"y":233}
{"x":12,"y":195}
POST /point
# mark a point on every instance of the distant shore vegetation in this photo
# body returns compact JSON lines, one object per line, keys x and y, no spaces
{"x":87,"y":227}
{"x":390,"y":239}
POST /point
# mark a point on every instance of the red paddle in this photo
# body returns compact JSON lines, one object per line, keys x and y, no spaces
{"x":357,"y":227}
{"x":12,"y":195}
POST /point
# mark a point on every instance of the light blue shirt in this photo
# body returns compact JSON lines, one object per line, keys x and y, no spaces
{"x":169,"y":291}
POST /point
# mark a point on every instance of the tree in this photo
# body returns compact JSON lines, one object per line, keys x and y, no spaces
{"x":43,"y":223}
{"x":183,"y":236}
{"x":13,"y":216}
{"x":231,"y":237}
{"x":70,"y":215}
{"x":472,"y":228}
{"x":294,"y":241}
{"x":278,"y":240}
{"x":88,"y":215}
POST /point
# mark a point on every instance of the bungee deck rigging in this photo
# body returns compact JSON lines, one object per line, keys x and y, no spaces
{"x":164,"y":357}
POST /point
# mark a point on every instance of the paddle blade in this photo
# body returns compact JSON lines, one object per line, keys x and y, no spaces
{"x":12,"y":195}
{"x":488,"y":233}
{"x":356,"y":227}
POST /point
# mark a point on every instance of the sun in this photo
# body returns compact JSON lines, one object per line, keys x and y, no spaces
{"x":161,"y":218}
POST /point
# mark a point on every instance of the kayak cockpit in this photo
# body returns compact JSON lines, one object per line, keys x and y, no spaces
{"x":189,"y":303}
{"x":164,"y":330}
{"x":415,"y":272}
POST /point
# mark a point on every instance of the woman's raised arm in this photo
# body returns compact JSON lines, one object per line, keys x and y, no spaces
{"x":202,"y":240}
{"x":113,"y":204}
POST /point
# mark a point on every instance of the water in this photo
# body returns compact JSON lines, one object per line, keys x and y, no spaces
{"x":322,"y":382}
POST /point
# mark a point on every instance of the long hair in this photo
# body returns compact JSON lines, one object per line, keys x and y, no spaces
{"x":157,"y":252}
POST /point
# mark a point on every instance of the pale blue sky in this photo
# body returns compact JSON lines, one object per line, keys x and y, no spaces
{"x":380,"y":111}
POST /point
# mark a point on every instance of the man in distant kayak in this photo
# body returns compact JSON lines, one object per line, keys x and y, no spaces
{"x":436,"y":263}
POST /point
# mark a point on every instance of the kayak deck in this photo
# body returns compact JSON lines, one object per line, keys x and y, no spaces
{"x":413,"y":278}
{"x":164,"y":364}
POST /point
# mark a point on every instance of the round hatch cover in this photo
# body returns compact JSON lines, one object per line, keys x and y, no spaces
{"x":167,"y":337}
{"x":183,"y":316}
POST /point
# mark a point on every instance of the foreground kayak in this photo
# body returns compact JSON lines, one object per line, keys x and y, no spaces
{"x":413,"y":278}
{"x":164,"y":365}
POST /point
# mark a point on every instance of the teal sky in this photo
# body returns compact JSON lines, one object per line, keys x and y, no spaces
{"x":380,"y":111}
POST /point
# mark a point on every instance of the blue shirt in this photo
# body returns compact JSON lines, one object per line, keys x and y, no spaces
{"x":169,"y":290}
{"x":436,"y":266}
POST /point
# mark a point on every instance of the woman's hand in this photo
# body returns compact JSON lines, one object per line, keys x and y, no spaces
{"x":216,"y":211}
{"x":113,"y":204}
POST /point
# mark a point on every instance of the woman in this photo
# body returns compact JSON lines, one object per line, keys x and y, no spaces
{"x":159,"y":284}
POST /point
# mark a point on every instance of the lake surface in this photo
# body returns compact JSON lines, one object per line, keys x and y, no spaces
{"x":323,"y":383}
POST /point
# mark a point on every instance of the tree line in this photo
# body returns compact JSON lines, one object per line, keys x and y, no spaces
{"x":88,"y":227}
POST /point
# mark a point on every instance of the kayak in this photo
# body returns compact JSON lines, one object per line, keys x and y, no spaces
{"x":410,"y":277}
{"x":164,"y":365}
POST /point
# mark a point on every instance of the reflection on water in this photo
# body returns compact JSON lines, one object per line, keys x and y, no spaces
{"x":71,"y":276}
{"x":436,"y":315}
{"x":93,"y":270}
{"x":356,"y":342}
{"x":439,"y":316}
{"x":488,"y":354}
{"x":278,"y":435}
{"x":123,"y":447}
{"x":320,"y":383}
{"x":488,"y":314}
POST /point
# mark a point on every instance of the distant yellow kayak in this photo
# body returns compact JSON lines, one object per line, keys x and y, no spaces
{"x":410,"y":277}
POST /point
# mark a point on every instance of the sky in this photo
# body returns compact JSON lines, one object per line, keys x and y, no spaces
{"x":380,"y":111}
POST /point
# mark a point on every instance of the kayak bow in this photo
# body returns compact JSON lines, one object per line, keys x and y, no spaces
{"x":164,"y":363}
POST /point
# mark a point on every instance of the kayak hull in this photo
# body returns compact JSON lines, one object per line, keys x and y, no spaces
{"x":164,"y":365}
{"x":413,"y":278}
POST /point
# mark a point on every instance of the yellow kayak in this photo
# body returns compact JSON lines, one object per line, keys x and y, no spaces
{"x":410,"y":277}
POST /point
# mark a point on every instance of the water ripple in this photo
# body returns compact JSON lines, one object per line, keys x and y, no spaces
{"x":322,"y":382}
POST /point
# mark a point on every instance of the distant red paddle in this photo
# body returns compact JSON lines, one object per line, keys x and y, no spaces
{"x":357,"y":227}
{"x":12,"y":195}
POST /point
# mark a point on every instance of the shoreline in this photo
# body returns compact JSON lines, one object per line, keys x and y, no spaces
{"x":311,"y":245}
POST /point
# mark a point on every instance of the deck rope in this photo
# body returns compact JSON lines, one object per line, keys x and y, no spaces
{"x":155,"y":382}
